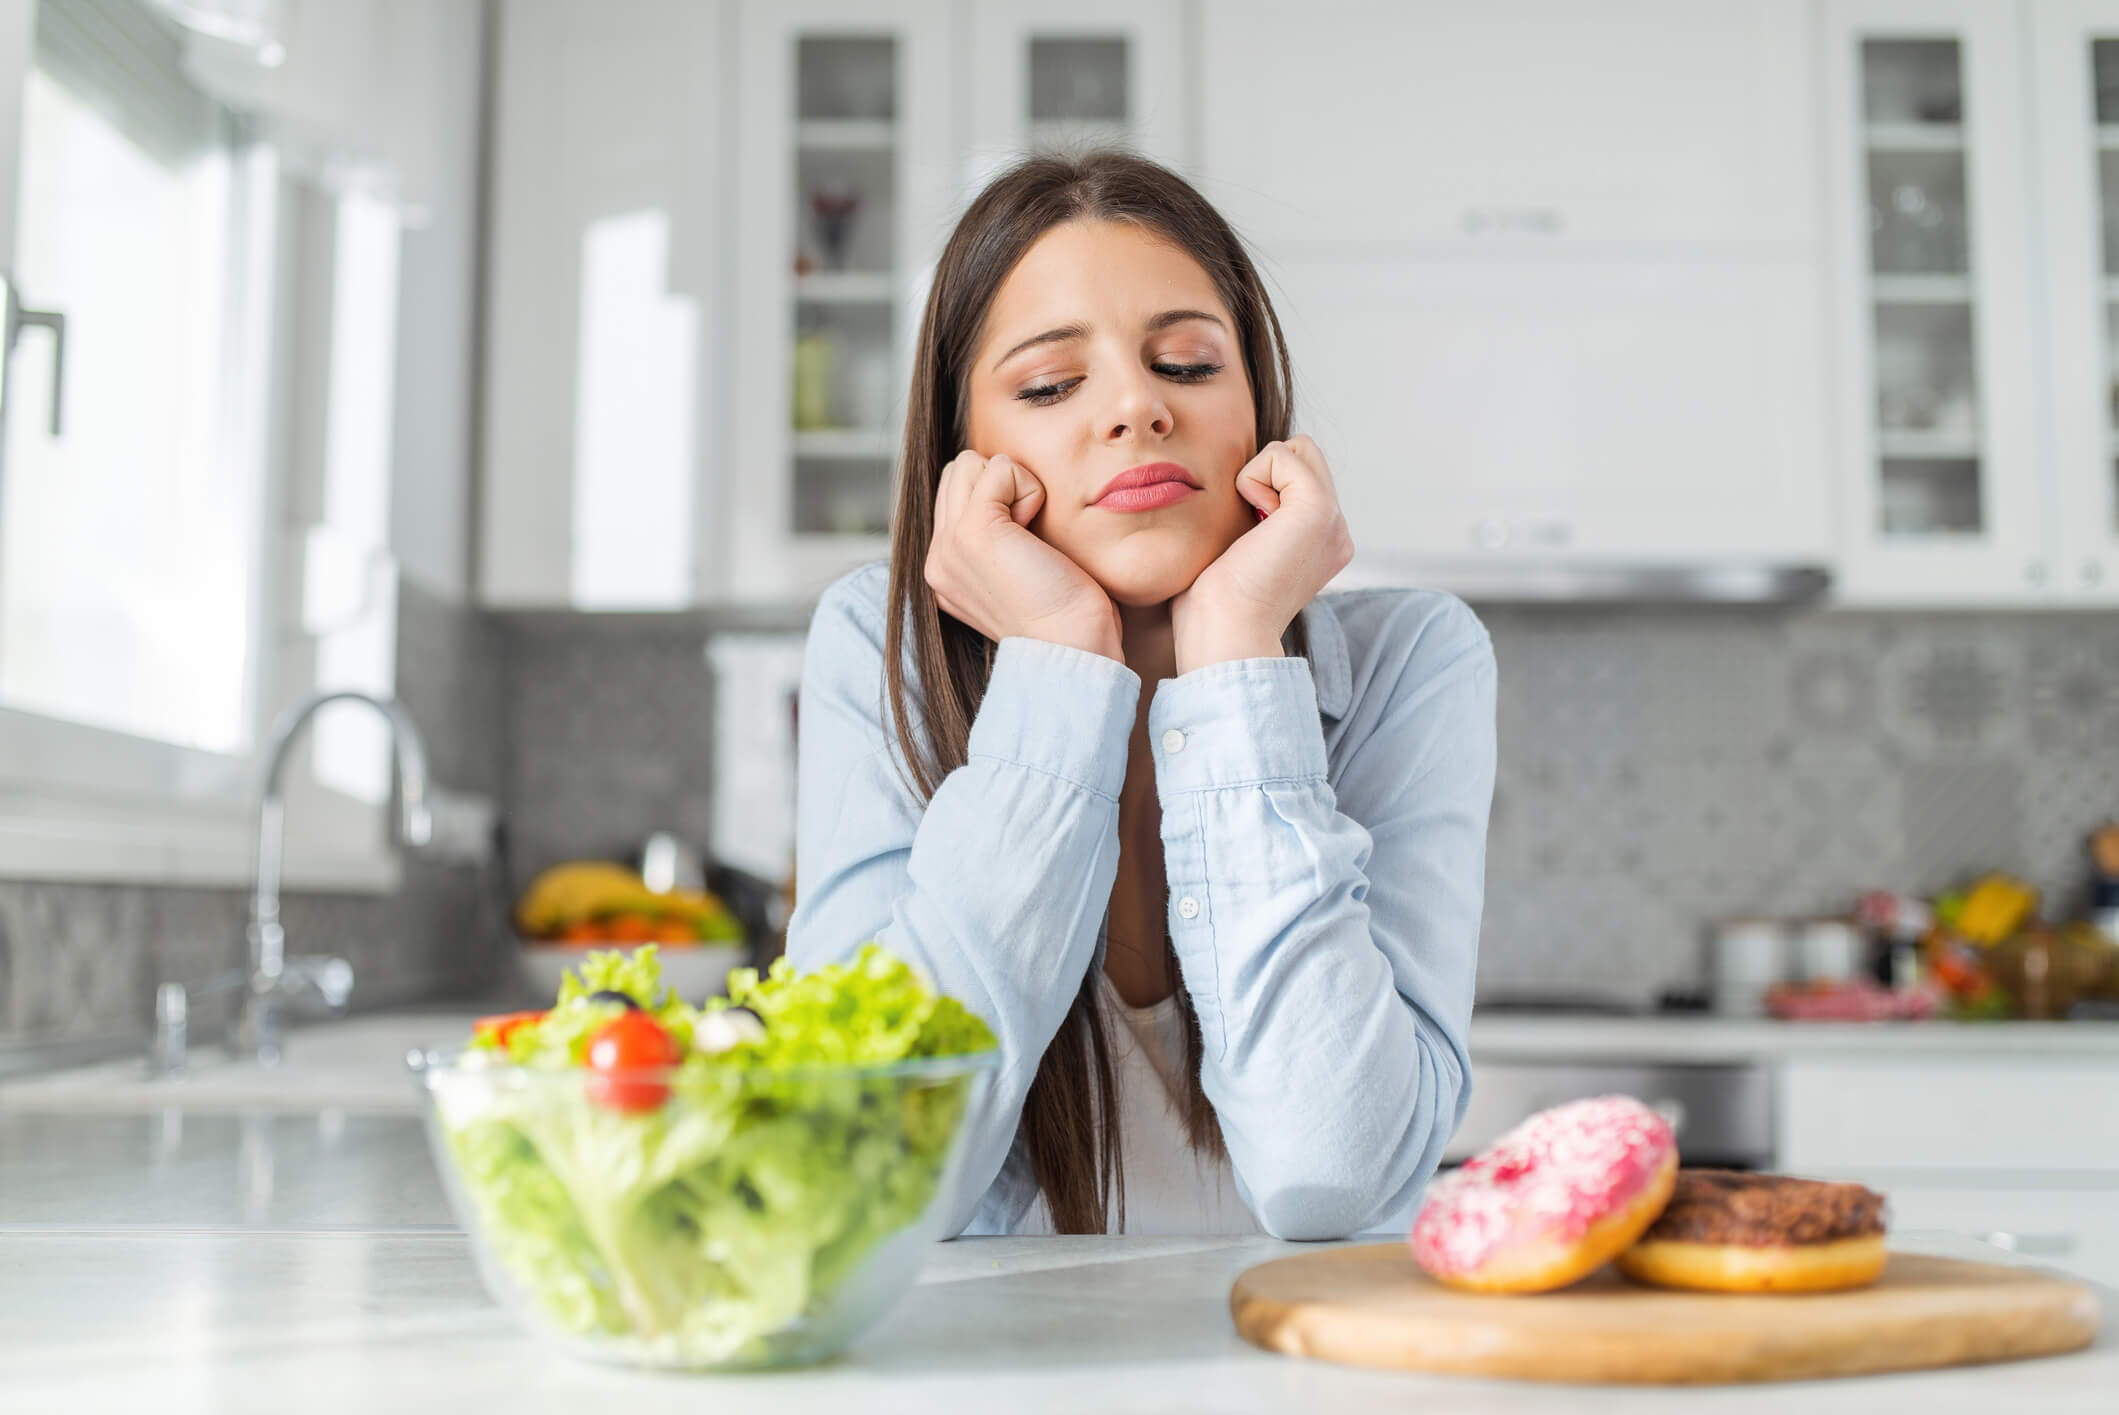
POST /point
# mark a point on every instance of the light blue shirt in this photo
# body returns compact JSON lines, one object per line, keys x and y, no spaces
{"x":1324,"y":841}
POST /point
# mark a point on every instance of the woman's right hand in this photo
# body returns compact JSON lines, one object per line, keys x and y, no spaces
{"x":987,"y":569}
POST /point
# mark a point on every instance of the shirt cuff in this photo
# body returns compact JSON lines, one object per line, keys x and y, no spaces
{"x":1060,"y":710}
{"x":1236,"y":723}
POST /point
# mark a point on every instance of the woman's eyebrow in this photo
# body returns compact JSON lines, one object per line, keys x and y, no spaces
{"x":1081,"y":331}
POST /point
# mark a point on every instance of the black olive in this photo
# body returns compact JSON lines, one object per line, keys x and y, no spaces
{"x":613,"y":995}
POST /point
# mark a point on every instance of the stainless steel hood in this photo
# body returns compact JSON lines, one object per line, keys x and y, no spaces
{"x":1563,"y":579}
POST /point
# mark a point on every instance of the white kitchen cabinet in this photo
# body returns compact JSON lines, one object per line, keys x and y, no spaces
{"x":863,"y":99}
{"x":602,"y":311}
{"x":843,"y":184}
{"x":2014,"y":1150}
{"x":1551,"y":274}
{"x":1092,"y":71}
{"x":1974,"y":168}
{"x":660,"y":271}
{"x":1979,"y":1113}
{"x":1513,"y":124}
{"x":1941,"y":471}
{"x":2074,"y":65}
{"x":1627,"y":411}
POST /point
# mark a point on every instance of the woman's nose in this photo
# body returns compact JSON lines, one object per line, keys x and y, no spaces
{"x":1140,"y":408}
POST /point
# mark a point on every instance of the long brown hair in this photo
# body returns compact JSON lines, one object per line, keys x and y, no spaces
{"x":1073,"y":1141}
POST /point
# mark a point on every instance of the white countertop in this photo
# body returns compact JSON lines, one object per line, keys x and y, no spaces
{"x":360,"y":1322}
{"x":204,"y":1255}
{"x":1696,"y":1038}
{"x":357,"y":1064}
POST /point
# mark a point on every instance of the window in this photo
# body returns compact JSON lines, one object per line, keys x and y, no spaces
{"x":129,"y":545}
{"x":228,"y":366}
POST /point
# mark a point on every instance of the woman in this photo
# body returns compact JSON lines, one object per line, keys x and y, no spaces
{"x":1206,"y":849}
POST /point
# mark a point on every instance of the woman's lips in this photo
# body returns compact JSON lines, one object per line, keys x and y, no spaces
{"x":1145,"y":498}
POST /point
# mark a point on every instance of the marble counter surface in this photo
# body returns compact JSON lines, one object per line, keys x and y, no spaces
{"x":357,"y":1064}
{"x":323,"y":1170}
{"x":228,"y":1262}
{"x":230,"y":1322}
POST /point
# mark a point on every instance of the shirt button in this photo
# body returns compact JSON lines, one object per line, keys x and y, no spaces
{"x":1173,"y":741}
{"x":1188,"y":906}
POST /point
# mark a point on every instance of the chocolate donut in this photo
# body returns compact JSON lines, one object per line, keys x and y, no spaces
{"x":1729,"y":1231}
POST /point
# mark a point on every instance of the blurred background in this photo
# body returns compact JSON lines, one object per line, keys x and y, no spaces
{"x":532,"y":364}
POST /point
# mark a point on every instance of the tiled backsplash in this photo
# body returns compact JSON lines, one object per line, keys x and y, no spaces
{"x":1659,"y":768}
{"x":1662,"y":768}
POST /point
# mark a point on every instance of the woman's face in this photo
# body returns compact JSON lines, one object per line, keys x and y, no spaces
{"x":1123,"y":384}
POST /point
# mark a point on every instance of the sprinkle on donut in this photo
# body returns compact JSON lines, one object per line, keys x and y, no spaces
{"x":1545,"y":1184}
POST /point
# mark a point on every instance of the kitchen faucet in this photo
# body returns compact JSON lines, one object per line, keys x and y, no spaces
{"x":271,"y":980}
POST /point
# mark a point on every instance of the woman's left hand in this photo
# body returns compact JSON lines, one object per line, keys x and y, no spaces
{"x":1242,"y":603}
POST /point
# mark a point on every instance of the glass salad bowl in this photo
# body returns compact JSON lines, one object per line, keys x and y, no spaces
{"x":729,"y":1201}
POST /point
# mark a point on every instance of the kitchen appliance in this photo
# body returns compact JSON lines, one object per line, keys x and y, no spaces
{"x":1722,"y":1113}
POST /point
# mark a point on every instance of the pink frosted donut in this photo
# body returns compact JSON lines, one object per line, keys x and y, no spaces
{"x":1551,"y":1201}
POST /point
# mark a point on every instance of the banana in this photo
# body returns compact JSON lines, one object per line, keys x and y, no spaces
{"x":580,"y":889}
{"x":568,"y":891}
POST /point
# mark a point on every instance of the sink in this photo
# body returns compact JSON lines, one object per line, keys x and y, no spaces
{"x":355,"y":1065}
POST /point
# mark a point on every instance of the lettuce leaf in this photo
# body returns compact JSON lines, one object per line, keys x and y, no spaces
{"x":747,"y":1200}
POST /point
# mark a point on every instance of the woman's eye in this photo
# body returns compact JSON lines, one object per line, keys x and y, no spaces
{"x":1182,"y":373}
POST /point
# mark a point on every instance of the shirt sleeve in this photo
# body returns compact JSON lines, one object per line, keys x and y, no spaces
{"x":1329,"y":941}
{"x":998,"y":885}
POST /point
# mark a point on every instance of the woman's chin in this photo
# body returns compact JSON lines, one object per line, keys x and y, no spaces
{"x":1141,"y":573}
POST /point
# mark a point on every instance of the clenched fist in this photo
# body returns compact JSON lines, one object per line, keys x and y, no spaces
{"x":987,"y":569}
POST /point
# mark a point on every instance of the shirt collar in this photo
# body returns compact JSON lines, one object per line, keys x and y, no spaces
{"x":1329,"y":663}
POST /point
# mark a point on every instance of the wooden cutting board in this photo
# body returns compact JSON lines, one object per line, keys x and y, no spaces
{"x":1372,"y":1306}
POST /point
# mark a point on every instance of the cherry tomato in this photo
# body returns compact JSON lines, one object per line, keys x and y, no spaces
{"x":501,"y":1026}
{"x":629,"y":1043}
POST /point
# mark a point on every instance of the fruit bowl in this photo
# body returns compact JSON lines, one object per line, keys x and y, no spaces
{"x":696,"y":972}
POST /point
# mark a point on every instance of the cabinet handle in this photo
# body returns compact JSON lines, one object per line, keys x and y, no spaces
{"x":15,"y":318}
{"x":1502,"y":220}
{"x":2034,"y":571}
{"x":2092,"y":572}
{"x":1550,"y":532}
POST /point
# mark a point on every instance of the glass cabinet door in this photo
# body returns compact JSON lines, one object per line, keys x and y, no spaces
{"x":1943,"y":454}
{"x":1930,"y":474}
{"x":1056,"y":78}
{"x":845,"y":385}
{"x":2075,"y":67}
{"x":839,"y":214}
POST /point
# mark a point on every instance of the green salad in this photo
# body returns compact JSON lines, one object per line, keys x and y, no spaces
{"x":696,"y":1179}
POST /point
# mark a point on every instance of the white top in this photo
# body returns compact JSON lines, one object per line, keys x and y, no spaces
{"x":1170,"y":1189}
